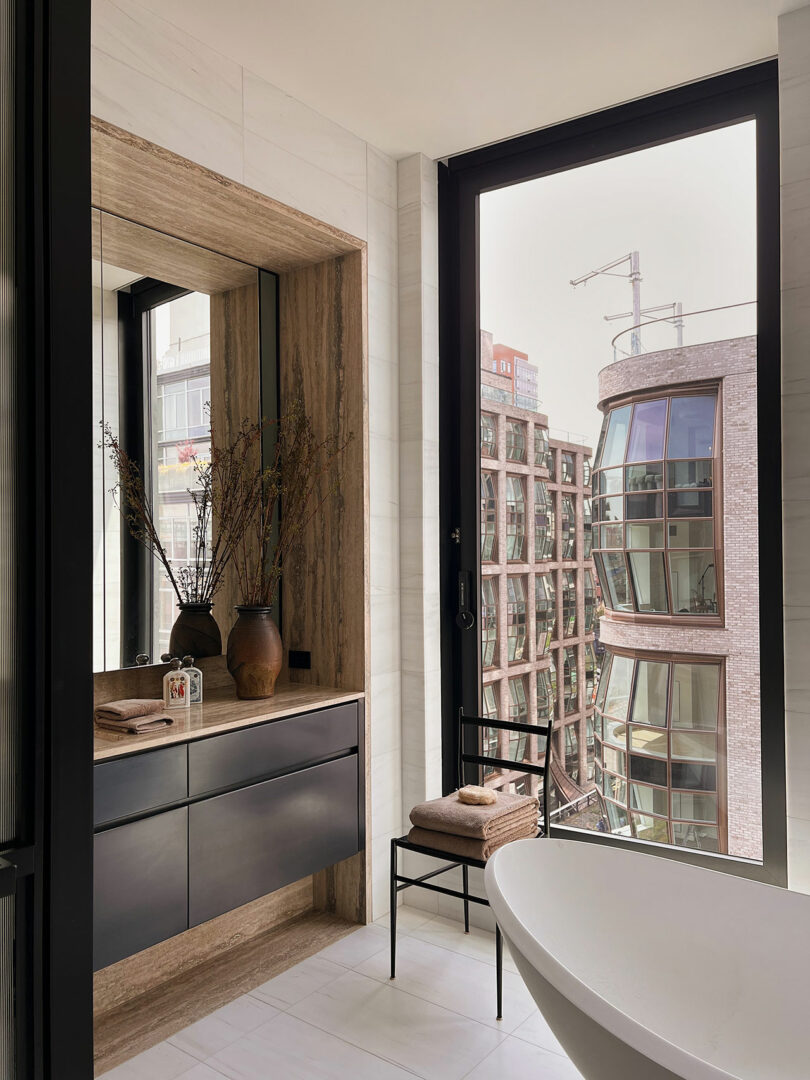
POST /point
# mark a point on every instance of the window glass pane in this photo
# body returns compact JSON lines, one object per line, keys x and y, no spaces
{"x":648,"y":770}
{"x":647,"y":432}
{"x":648,"y":535}
{"x":645,"y":477}
{"x":489,"y":621}
{"x":690,"y":534}
{"x":690,"y":474}
{"x":615,"y":731}
{"x":649,"y":799}
{"x":615,"y":788}
{"x":488,"y":435}
{"x":693,"y":807}
{"x":696,"y":745}
{"x":702,"y":837}
{"x":691,"y":427}
{"x":694,"y":504}
{"x":645,"y":506}
{"x":611,"y":510}
{"x":515,"y":440}
{"x":489,"y":519}
{"x":650,"y":697}
{"x":616,"y":438}
{"x":614,"y":760}
{"x":648,"y":740}
{"x":650,"y":828}
{"x":649,"y":580}
{"x":610,"y":482}
{"x":615,"y":577}
{"x":618,"y":692}
{"x":603,"y":683}
{"x":568,"y":527}
{"x":515,"y":518}
{"x":617,"y":818}
{"x":610,"y":536}
{"x":695,"y":694}
{"x":693,"y":581}
{"x":694,"y":777}
{"x":515,"y":618}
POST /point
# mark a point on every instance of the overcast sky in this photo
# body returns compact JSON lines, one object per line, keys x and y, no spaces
{"x":688,"y":207}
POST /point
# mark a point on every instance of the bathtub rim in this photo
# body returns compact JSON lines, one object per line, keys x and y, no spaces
{"x":642,"y":1039}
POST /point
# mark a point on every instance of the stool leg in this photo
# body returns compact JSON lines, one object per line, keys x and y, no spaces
{"x":466,"y":888}
{"x":393,"y":912}
{"x":499,"y":970}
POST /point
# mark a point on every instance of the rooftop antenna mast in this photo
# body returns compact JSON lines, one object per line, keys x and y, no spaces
{"x":634,"y":277}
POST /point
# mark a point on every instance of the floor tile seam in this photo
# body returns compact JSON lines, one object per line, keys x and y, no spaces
{"x":332,"y":1035}
{"x":548,"y":1049}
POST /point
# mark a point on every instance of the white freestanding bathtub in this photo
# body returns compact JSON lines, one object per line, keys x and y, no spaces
{"x":649,"y":969}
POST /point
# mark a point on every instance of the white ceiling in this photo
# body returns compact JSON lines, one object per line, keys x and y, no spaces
{"x":441,"y":76}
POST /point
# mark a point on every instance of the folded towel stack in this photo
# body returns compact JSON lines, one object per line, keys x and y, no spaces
{"x":134,"y":715}
{"x":473,"y":832}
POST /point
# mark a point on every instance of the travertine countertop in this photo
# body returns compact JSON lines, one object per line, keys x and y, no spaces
{"x":222,"y":711}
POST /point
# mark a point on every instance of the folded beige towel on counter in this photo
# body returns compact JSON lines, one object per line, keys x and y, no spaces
{"x":138,"y":725}
{"x":450,"y":815}
{"x":129,"y":708}
{"x":466,"y":846}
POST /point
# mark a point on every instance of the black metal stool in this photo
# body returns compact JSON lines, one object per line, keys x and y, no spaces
{"x":398,"y":881}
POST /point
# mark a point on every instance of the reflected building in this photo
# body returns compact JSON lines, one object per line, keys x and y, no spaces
{"x":677,"y":717}
{"x":538,"y":600}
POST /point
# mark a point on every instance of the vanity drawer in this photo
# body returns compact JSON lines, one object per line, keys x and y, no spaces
{"x":250,"y":842}
{"x":242,"y":756}
{"x":133,"y":785}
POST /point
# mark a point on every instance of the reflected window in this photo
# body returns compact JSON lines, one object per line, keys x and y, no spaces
{"x":515,"y":440}
{"x":489,"y":437}
{"x":569,"y":604}
{"x":515,"y":518}
{"x":568,"y":465}
{"x":589,"y":598}
{"x":515,"y":618}
{"x":518,"y":704}
{"x":489,"y":516}
{"x":590,"y":675}
{"x":543,"y":522}
{"x":489,"y":620}
{"x":572,"y":752}
{"x":545,"y":697}
{"x":587,"y":528}
{"x":541,"y":447}
{"x":570,"y":678}
{"x":545,"y":611}
{"x":568,"y":527}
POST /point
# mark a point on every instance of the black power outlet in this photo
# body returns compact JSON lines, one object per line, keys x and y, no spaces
{"x":299,"y":658}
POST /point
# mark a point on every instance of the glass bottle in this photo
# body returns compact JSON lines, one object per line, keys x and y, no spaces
{"x":196,"y":680}
{"x":176,"y":687}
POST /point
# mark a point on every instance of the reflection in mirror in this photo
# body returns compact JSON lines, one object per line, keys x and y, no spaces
{"x":176,"y":329}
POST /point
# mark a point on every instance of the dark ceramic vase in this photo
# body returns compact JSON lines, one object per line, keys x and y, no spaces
{"x":254,"y":652}
{"x":195,"y":632}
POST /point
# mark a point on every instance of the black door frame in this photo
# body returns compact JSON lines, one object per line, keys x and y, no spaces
{"x":750,"y":92}
{"x":53,"y":853}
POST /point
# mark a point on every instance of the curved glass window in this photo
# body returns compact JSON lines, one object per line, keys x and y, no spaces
{"x":515,"y":440}
{"x":569,"y":604}
{"x":655,"y":500}
{"x":515,"y":618}
{"x":543,"y":521}
{"x":518,"y":704}
{"x":489,"y":516}
{"x":515,"y":518}
{"x":587,"y":528}
{"x":545,"y":610}
{"x":489,"y":736}
{"x":590,"y":675}
{"x":572,"y":752}
{"x":589,"y":597}
{"x":586,"y":472}
{"x":568,"y":527}
{"x":489,"y":620}
{"x":489,"y":438}
{"x":662,"y":718}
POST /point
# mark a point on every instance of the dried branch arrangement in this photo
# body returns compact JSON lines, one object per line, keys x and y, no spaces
{"x":237,"y":504}
{"x":216,"y":496}
{"x":283,"y":499}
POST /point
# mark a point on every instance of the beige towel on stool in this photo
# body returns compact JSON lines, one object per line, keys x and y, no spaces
{"x":450,"y":815}
{"x":465,"y":846}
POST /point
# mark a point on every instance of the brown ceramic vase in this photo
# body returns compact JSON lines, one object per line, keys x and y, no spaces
{"x":195,"y":632}
{"x":254,"y":653}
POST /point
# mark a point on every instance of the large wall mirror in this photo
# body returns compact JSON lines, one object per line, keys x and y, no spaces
{"x":183,"y":337}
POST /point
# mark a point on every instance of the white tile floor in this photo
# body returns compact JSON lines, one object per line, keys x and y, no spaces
{"x":337,"y":1015}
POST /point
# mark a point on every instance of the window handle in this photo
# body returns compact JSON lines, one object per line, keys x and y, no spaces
{"x":465,"y":619}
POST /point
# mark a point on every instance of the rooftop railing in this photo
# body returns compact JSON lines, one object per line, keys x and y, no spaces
{"x":670,"y":331}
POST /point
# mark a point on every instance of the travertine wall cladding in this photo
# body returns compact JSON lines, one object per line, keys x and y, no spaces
{"x":732,"y":362}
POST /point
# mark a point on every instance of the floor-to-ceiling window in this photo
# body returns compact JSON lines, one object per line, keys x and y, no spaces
{"x":616,"y":345}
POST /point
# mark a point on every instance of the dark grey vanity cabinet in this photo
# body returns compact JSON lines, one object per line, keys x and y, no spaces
{"x":249,"y":842}
{"x":190,"y":831}
{"x":140,"y":893}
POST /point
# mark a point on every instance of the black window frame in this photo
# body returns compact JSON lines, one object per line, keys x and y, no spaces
{"x":711,"y":103}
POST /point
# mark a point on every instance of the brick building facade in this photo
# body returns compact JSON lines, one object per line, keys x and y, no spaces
{"x":538,"y":584}
{"x":717,"y":613}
